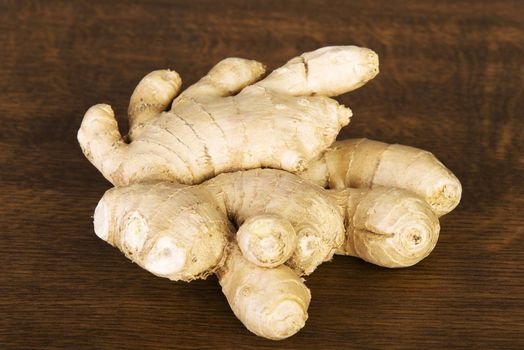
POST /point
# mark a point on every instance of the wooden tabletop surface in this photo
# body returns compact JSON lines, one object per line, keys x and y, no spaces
{"x":451,"y":81}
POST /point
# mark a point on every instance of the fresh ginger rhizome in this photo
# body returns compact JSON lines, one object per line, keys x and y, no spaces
{"x":242,"y":177}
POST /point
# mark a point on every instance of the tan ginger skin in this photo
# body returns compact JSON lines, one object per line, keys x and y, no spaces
{"x":186,"y":204}
{"x":227,"y":121}
{"x":182,"y":233}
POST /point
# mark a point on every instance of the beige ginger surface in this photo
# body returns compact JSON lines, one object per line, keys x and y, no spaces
{"x":363,"y":163}
{"x":226,"y":121}
{"x":182,"y":233}
{"x":187,"y":204}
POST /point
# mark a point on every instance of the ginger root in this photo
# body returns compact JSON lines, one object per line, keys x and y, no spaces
{"x":182,"y":233}
{"x":366,"y":163}
{"x":271,"y":303}
{"x":192,"y":200}
{"x":226,"y":122}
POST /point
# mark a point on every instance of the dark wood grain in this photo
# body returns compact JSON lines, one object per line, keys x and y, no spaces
{"x":452,"y":82}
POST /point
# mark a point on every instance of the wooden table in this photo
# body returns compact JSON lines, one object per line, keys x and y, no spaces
{"x":451,"y":82}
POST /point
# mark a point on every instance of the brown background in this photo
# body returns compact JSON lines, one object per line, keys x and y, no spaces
{"x":451,"y":82}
